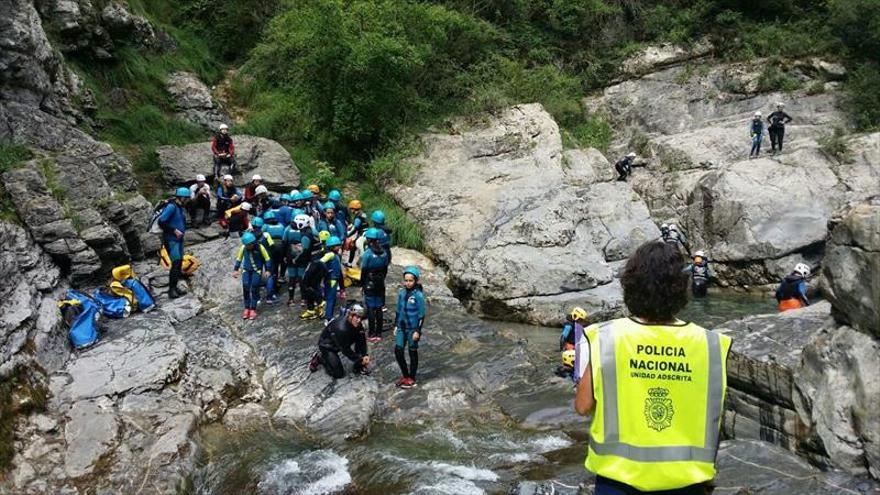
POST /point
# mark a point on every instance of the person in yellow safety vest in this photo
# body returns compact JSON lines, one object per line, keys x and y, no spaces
{"x":654,"y":384}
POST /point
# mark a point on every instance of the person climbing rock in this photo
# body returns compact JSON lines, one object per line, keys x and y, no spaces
{"x":567,"y":340}
{"x":671,"y":234}
{"x":227,"y":196}
{"x":224,"y":150}
{"x":374,"y":266}
{"x":659,"y":385}
{"x":297,"y":242}
{"x":333,"y":287}
{"x":777,"y":121}
{"x":700,"y":273}
{"x":250,"y":190}
{"x":624,"y":166}
{"x":275,"y":231}
{"x":344,"y":335}
{"x":253,"y":260}
{"x":172,"y":220}
{"x":200,"y":199}
{"x":756,"y":131}
{"x":408,"y":325}
{"x":792,"y":291}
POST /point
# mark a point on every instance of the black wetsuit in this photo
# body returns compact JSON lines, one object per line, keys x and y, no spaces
{"x":777,"y":120}
{"x":624,"y":167}
{"x":340,"y":336}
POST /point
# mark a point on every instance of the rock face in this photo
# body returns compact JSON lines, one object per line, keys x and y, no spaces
{"x":515,"y":244}
{"x":852,"y":267}
{"x":690,"y":121}
{"x":194,"y":102}
{"x":254,"y":155}
{"x":801,"y":381}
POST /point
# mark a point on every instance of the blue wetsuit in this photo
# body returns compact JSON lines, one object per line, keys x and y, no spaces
{"x":410,"y":319}
{"x":252,"y":262}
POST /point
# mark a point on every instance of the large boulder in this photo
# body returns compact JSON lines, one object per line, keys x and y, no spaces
{"x":515,"y":245}
{"x":193,"y":101}
{"x":254,"y":155}
{"x":852,"y":267}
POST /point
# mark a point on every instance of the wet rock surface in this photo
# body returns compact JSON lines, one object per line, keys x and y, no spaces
{"x":253,"y":155}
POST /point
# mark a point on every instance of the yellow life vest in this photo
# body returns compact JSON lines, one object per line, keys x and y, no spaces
{"x":121,"y":273}
{"x":189,"y":265}
{"x":659,"y":393}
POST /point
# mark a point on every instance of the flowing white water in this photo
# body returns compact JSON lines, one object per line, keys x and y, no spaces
{"x":318,"y":472}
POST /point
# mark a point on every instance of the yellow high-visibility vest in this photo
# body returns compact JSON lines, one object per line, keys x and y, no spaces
{"x":659,"y":393}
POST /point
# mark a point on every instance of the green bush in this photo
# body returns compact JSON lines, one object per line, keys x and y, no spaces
{"x":406,"y":232}
{"x":230,"y":28}
{"x":857,"y":24}
{"x":11,"y":155}
{"x":862,"y":97}
{"x":835,"y":144}
{"x":593,"y":132}
{"x":774,"y":78}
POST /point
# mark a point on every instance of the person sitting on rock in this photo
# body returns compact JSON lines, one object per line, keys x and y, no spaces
{"x":700,"y":272}
{"x":250,"y":190}
{"x":344,"y":335}
{"x":253,"y":260}
{"x":227,"y":195}
{"x":756,"y":131}
{"x":568,"y":337}
{"x":261,"y":201}
{"x":777,"y":121}
{"x":200,"y":199}
{"x":374,"y":266}
{"x":224,"y":150}
{"x":172,"y":220}
{"x":408,"y":325}
{"x":624,"y":166}
{"x":237,"y":218}
{"x":672,"y":235}
{"x":792,"y":291}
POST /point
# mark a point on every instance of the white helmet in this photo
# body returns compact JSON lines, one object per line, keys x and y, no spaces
{"x":700,"y":253}
{"x":246,"y":206}
{"x":200,"y":178}
{"x":224,"y":127}
{"x":261,"y":190}
{"x":664,"y":226}
{"x":301,"y":221}
{"x":758,"y":113}
{"x":631,"y":154}
{"x":227,"y":177}
{"x":294,"y":192}
{"x":674,"y":227}
{"x":779,"y":104}
{"x":256,"y":177}
{"x":802,"y":269}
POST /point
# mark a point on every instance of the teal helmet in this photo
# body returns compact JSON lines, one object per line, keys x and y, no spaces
{"x":334,"y":195}
{"x":297,"y":196}
{"x":248,"y":238}
{"x":329,"y":206}
{"x":373,"y":234}
{"x":306,"y":195}
{"x":378,"y":216}
{"x":285,"y":197}
{"x":269,"y":215}
{"x":257,"y":222}
{"x":414,"y":271}
{"x":297,"y":211}
{"x":333,"y":242}
{"x":182,"y":192}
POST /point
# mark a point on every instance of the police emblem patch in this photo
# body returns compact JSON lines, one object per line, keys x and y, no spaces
{"x":658,"y":409}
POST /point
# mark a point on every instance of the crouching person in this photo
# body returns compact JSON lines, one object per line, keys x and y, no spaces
{"x":345,"y":335}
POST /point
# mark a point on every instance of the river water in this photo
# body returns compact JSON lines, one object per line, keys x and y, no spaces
{"x":512,"y":422}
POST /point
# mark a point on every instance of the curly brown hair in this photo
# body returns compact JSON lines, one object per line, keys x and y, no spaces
{"x":654,"y":282}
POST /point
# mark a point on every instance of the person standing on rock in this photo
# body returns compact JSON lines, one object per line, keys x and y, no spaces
{"x":777,"y":121}
{"x":297,"y":242}
{"x":224,"y":150}
{"x":408,"y":325}
{"x":227,"y":196}
{"x":200,"y":199}
{"x":624,"y":166}
{"x":756,"y":131}
{"x":253,"y":260}
{"x":792,"y":291}
{"x":344,"y":335}
{"x":654,"y":384}
{"x":333,"y":286}
{"x":357,"y":227}
{"x":172,"y":220}
{"x":374,"y":266}
{"x":275,"y":231}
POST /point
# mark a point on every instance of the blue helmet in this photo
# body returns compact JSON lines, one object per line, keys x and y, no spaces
{"x":248,"y":238}
{"x":374,"y":234}
{"x":306,"y":195}
{"x":269,"y":215}
{"x":334,"y":196}
{"x":285,"y":197}
{"x":182,"y":192}
{"x":333,"y":241}
{"x":329,"y":206}
{"x":378,"y":217}
{"x":414,"y":271}
{"x":257,"y":222}
{"x":297,"y":196}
